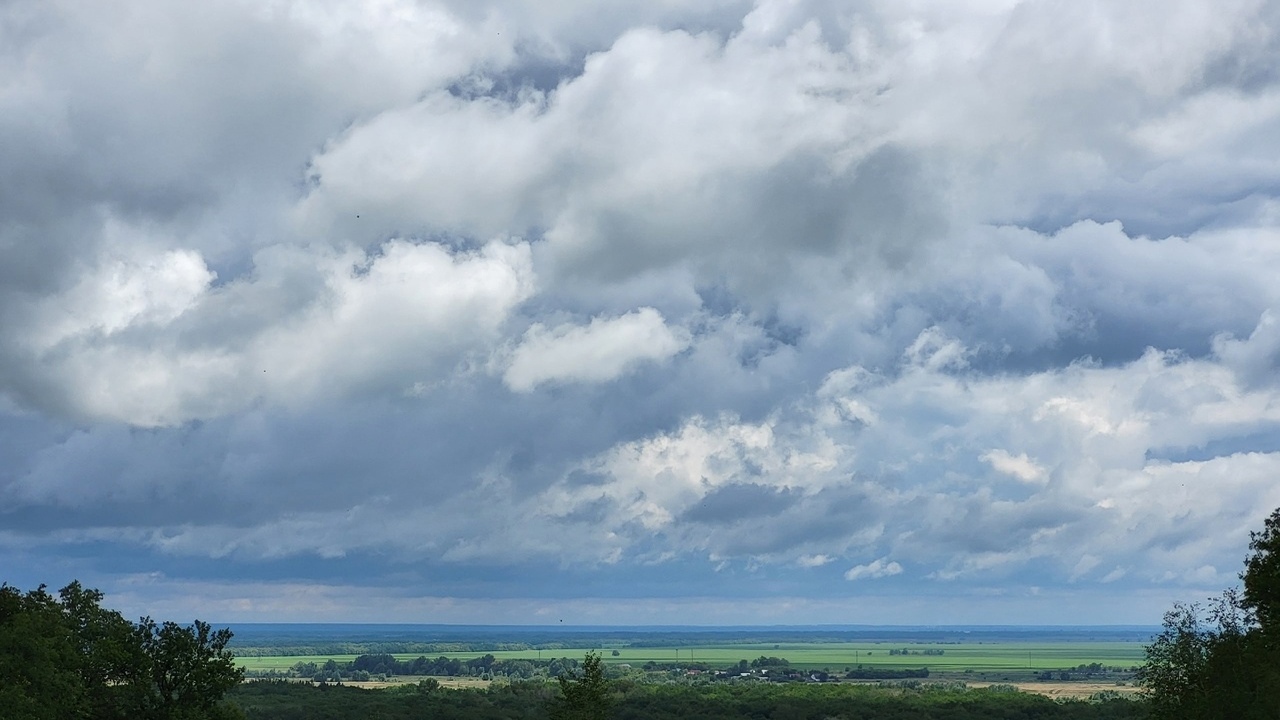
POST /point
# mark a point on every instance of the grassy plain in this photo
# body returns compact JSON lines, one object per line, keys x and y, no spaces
{"x":993,"y":657}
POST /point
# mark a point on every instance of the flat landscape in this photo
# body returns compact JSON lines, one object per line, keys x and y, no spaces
{"x":971,"y":654}
{"x":994,"y":657}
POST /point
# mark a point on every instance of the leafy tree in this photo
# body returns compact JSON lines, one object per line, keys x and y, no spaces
{"x":584,"y":696}
{"x":768,"y":662}
{"x":109,"y":657}
{"x":1261,"y":575}
{"x":186,"y":670}
{"x":1176,"y":674}
{"x":38,"y":659}
{"x":1222,"y":661}
{"x":68,"y":657}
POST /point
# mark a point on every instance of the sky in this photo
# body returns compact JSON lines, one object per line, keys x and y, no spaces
{"x":639,"y":312}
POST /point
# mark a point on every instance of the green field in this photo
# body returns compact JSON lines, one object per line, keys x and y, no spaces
{"x":975,"y":657}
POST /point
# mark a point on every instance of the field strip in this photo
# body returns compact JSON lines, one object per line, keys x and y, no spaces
{"x":953,"y":658}
{"x":1075,"y":690}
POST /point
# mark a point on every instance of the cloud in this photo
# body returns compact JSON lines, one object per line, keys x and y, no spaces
{"x":1256,"y":357}
{"x":598,"y":352}
{"x":123,"y":343}
{"x":873,"y":570}
{"x":657,"y":303}
{"x":142,"y":291}
{"x":1114,"y":575}
{"x":1019,"y":466}
{"x":670,"y":147}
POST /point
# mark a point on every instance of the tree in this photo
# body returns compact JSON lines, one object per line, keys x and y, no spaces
{"x":1261,"y":575}
{"x":38,"y":659}
{"x":1182,"y":660}
{"x":109,"y":656}
{"x":584,"y":696}
{"x":1222,"y":661}
{"x":68,"y":657}
{"x":187,"y":669}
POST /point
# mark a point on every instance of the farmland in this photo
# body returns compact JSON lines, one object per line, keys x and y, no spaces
{"x":685,"y":668}
{"x":979,"y":658}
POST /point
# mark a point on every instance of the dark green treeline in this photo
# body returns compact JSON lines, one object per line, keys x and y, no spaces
{"x":282,"y":700}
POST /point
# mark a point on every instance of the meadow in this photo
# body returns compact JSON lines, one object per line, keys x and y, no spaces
{"x":977,"y":657}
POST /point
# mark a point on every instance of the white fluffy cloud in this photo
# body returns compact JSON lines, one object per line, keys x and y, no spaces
{"x":689,"y":298}
{"x":119,"y":342}
{"x":597,"y":352}
{"x":1019,"y":466}
{"x":874,"y":569}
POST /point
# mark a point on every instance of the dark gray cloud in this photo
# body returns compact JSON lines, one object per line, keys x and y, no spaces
{"x":741,"y":501}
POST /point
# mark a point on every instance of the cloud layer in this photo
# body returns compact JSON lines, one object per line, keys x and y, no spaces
{"x":496,"y":310}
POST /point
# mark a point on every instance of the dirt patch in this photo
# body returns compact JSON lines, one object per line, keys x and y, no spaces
{"x":1065,"y":689}
{"x":449,"y":682}
{"x":464,"y":682}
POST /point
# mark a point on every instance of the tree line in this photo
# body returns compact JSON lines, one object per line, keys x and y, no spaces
{"x":385,"y":664}
{"x":875,"y":673}
{"x":64,"y":657}
{"x":627,"y":700}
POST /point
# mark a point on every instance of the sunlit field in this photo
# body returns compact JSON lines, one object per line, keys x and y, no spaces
{"x":975,"y":657}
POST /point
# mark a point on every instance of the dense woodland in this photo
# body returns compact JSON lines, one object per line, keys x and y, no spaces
{"x":65,"y":657}
{"x":536,"y":701}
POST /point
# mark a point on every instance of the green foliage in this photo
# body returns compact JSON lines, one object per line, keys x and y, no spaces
{"x":386,"y":664}
{"x":585,"y":696}
{"x":283,"y":700}
{"x":186,"y":669}
{"x":1222,"y":661}
{"x":1053,"y":651}
{"x":278,"y":700}
{"x":866,"y":673}
{"x":68,"y":657}
{"x":1262,"y":575}
{"x":38,"y":659}
{"x":1005,"y":651}
{"x":770,"y":662}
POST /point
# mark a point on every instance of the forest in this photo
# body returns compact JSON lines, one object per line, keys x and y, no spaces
{"x":283,"y":700}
